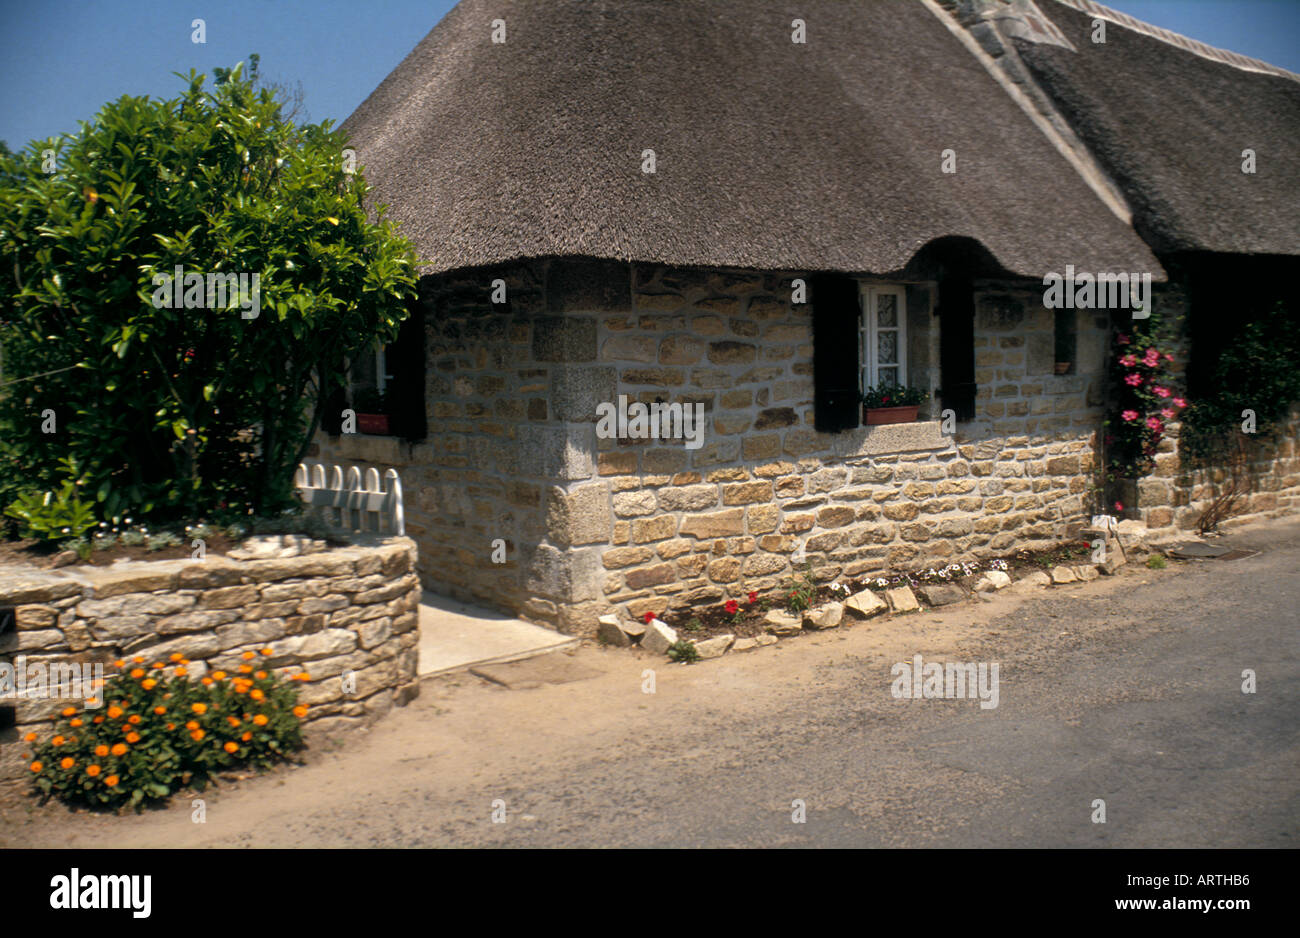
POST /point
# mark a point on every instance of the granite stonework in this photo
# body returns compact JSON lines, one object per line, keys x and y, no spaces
{"x":591,"y":525}
{"x":343,"y":609}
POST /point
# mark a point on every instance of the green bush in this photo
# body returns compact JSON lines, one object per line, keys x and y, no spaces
{"x":196,"y":411}
{"x":162,"y":731}
{"x":683,"y":651}
{"x":51,"y":517}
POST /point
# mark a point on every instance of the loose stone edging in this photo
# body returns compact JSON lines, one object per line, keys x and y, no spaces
{"x":657,"y":636}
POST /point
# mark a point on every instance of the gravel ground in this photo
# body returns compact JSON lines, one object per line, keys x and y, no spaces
{"x":1126,"y":689}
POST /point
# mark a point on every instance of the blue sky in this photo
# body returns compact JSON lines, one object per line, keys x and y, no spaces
{"x":61,"y":60}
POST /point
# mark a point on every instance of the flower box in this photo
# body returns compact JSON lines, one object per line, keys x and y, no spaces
{"x":1063,"y":368}
{"x":376,"y":424}
{"x":875,"y":416}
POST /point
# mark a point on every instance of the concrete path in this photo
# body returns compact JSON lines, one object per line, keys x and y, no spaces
{"x":456,"y":636}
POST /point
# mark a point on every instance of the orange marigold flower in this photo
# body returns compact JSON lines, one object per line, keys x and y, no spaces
{"x":268,"y":652}
{"x":231,"y":747}
{"x":29,"y":738}
{"x":101,"y":750}
{"x":175,"y":656}
{"x":205,"y":680}
{"x":119,"y":663}
{"x":300,"y":711}
{"x":111,"y":781}
{"x":257,"y":694}
{"x":157,"y":666}
{"x":133,"y":738}
{"x":98,"y":719}
{"x":240,"y":689}
{"x":115,"y":711}
{"x":160,"y":710}
{"x":171,"y":726}
{"x":219,"y":675}
{"x":119,"y":749}
{"x":67,"y":763}
{"x":199,"y":708}
{"x":75,"y":723}
{"x":260,"y":675}
{"x":149,"y":684}
{"x":302,"y":677}
{"x":137,"y":673}
{"x":92,"y":770}
{"x":247,"y":736}
{"x":92,"y":701}
{"x":138,"y":659}
{"x":36,"y":766}
{"x":133,"y":718}
{"x":68,"y":711}
{"x":260,"y":719}
{"x":181,"y":672}
{"x":197,"y":735}
{"x":245,"y":669}
{"x":192,"y":725}
{"x":233,"y":721}
{"x":248,"y":655}
{"x":58,"y":740}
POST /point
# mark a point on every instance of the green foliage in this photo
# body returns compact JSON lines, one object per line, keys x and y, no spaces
{"x":51,"y":516}
{"x":162,"y":540}
{"x":1156,"y":562}
{"x":893,"y":395}
{"x":1256,"y":371}
{"x":683,"y":651}
{"x":180,"y":413}
{"x":141,"y":755}
{"x":694,"y":625}
{"x":801,"y":592}
{"x":370,"y":401}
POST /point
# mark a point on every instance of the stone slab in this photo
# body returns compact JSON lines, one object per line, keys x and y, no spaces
{"x":456,"y":636}
{"x":534,"y":672}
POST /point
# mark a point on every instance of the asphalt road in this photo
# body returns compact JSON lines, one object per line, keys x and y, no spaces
{"x":1127,"y":690}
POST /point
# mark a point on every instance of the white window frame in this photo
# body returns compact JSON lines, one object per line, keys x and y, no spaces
{"x":381,"y":369}
{"x":868,"y":367}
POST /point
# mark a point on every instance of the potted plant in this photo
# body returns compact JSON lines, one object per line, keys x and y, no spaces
{"x":1063,"y":368}
{"x":891,"y":403}
{"x":371,"y":407}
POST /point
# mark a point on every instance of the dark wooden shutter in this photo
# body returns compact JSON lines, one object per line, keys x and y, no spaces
{"x":334,"y":398}
{"x":405,"y":359}
{"x":957,"y":345}
{"x":836,"y":401}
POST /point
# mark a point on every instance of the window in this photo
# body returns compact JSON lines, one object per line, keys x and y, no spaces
{"x":882,"y":336}
{"x":1065,"y":339}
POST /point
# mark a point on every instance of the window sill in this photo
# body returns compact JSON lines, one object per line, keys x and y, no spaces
{"x":890,"y":438}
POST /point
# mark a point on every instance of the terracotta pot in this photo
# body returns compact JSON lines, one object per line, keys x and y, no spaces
{"x":875,"y":416}
{"x":1062,"y":368}
{"x":376,"y":424}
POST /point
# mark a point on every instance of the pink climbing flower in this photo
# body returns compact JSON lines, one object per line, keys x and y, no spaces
{"x":1179,"y":402}
{"x":1168,"y":357}
{"x":1122,"y":340}
{"x":1160,"y":391}
{"x":1167,"y":414}
{"x":1129,"y":416}
{"x":1133,"y":380}
{"x":1154,"y":423}
{"x":1129,"y":360}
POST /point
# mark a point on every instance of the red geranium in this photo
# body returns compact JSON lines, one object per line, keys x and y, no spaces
{"x":753,"y":597}
{"x":648,"y":617}
{"x":731,"y":606}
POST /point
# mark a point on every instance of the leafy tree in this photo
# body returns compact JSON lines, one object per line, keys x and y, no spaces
{"x":179,"y":412}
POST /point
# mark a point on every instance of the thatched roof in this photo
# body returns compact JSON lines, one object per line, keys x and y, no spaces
{"x":770,"y":154}
{"x":1169,"y":120}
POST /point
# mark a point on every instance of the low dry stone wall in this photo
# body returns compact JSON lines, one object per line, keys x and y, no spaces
{"x":330,"y":611}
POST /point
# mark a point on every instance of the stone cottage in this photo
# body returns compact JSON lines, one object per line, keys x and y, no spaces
{"x":759,"y":213}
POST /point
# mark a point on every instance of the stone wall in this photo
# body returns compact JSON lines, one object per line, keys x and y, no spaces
{"x":326,"y":612}
{"x":589,"y":523}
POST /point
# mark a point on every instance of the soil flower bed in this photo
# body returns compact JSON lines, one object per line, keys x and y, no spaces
{"x":744,"y":616}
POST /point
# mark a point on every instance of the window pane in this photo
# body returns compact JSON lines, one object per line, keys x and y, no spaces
{"x":889,"y":376}
{"x":887,"y":311}
{"x":887,"y":348}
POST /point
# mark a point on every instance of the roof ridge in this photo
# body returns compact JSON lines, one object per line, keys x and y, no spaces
{"x":1194,"y":46}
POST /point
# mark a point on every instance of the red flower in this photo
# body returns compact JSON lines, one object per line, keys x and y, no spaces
{"x":753,"y":597}
{"x":1119,"y":506}
{"x":648,"y":617}
{"x":885,"y":399}
{"x":731,"y":606}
